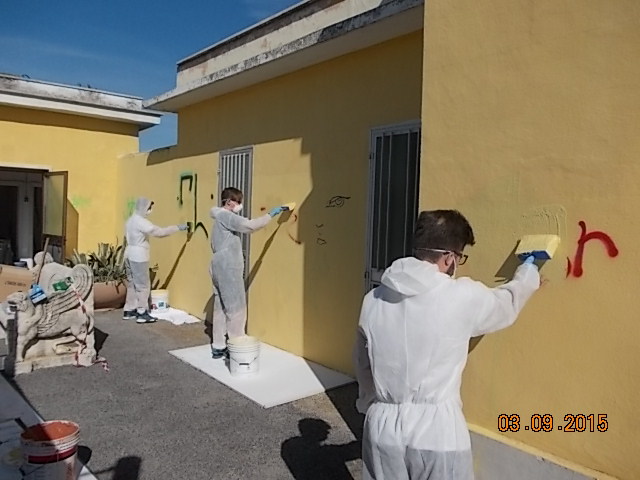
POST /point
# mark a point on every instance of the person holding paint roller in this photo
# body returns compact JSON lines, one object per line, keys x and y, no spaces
{"x":136,"y":260}
{"x":227,"y":267}
{"x":412,"y":346}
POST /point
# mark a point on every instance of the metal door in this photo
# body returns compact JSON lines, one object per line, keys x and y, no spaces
{"x":393,"y":197}
{"x":235,"y":170}
{"x":55,"y":213}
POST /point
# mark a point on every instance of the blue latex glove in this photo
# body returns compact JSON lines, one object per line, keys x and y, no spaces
{"x":275,"y":211}
{"x":183,"y":227}
{"x":530,"y":259}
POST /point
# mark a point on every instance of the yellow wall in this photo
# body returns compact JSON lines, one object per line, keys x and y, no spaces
{"x":87,"y":148}
{"x":310,"y":131}
{"x":531,"y":112}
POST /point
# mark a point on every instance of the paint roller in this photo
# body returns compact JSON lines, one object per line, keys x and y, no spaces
{"x":540,"y":247}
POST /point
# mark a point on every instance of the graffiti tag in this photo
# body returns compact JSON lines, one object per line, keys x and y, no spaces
{"x":575,"y":268}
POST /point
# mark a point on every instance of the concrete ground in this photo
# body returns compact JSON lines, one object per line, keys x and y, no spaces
{"x":153,"y":416}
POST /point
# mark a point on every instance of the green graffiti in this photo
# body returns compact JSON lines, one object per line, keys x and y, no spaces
{"x":80,"y":202}
{"x":130,"y":207}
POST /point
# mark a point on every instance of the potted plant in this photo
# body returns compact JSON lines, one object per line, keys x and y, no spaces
{"x":109,"y":276}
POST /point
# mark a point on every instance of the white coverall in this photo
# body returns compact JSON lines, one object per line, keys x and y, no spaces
{"x":410,"y":352}
{"x":136,"y":255}
{"x":227,"y":273}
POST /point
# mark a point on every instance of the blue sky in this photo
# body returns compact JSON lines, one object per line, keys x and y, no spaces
{"x":124,"y":46}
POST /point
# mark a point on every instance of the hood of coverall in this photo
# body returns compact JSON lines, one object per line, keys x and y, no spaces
{"x":410,"y":276}
{"x":142,"y":206}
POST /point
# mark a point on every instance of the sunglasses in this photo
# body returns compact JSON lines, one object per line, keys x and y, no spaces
{"x":462,"y":258}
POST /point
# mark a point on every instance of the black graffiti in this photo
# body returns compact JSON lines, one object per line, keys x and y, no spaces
{"x":320,"y":241}
{"x":183,"y":178}
{"x":193,"y":188}
{"x":337,"y":202}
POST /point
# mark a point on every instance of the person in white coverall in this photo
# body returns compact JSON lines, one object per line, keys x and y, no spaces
{"x":412,"y":346}
{"x":136,"y":260}
{"x":227,"y":267}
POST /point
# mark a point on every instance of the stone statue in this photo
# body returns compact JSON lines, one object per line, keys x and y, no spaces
{"x":60,"y":330}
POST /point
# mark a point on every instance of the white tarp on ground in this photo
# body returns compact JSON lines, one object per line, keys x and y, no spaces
{"x":282,"y":378}
{"x":175,"y":316}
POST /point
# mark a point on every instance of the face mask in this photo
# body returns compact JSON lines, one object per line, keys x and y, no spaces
{"x":237,"y":208}
{"x":452,"y":269}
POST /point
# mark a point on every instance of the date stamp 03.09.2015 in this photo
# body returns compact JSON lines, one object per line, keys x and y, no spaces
{"x":545,"y":423}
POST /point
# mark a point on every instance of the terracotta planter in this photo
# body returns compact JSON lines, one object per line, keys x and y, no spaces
{"x":109,"y":295}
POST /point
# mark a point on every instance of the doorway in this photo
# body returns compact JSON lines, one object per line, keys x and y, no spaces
{"x":394,"y":172}
{"x":34,"y":207}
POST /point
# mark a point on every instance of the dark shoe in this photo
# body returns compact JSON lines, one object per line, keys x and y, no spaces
{"x":219,"y":352}
{"x":145,"y":318}
{"x":129,"y":315}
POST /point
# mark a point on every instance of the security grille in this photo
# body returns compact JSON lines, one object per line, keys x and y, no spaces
{"x":393,"y":197}
{"x":235,"y":170}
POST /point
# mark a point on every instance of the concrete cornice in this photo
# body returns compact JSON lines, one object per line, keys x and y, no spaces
{"x":36,"y":94}
{"x":390,"y":19}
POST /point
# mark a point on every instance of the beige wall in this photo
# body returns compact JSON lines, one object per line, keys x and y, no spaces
{"x":310,"y":132}
{"x":530,"y":113}
{"x":87,"y":148}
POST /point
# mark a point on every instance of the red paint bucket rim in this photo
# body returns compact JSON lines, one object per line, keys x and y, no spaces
{"x":45,"y":431}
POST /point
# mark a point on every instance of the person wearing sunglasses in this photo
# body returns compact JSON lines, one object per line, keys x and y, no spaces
{"x":412,"y":346}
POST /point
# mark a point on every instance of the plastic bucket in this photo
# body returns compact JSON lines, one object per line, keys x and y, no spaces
{"x":244,"y":355}
{"x":50,"y":450}
{"x":159,"y":300}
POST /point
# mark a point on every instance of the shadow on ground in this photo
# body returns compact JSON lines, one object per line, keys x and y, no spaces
{"x":308,"y":458}
{"x":126,"y":468}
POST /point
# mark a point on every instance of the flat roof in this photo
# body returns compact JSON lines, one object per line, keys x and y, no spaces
{"x":305,"y":34}
{"x":23,"y":92}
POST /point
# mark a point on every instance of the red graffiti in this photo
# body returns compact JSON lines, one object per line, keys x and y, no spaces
{"x":575,"y":268}
{"x":295,"y":219}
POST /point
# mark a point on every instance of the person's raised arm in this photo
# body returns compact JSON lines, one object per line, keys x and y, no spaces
{"x":156,"y":231}
{"x":501,"y":305}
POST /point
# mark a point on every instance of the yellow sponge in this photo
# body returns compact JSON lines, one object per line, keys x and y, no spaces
{"x":289,"y":206}
{"x":542,"y":247}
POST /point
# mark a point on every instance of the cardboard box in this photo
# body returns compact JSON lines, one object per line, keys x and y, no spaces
{"x":14,"y":279}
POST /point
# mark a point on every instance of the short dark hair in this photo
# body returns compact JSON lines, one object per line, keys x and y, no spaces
{"x":231,"y":193}
{"x":441,"y":230}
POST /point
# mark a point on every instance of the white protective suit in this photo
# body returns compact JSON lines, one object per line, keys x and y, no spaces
{"x":136,"y":254}
{"x":227,"y":273}
{"x":411,"y":349}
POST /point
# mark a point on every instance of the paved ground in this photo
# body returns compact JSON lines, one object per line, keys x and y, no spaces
{"x":155,"y":417}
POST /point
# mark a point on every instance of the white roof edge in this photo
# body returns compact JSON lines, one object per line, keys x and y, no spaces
{"x":24,"y":80}
{"x":142,"y":118}
{"x":383,"y":11}
{"x":28,"y":93}
{"x":282,"y":13}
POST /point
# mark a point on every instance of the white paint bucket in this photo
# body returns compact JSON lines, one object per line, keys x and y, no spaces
{"x":244,"y":355}
{"x":159,"y":300}
{"x":50,"y":449}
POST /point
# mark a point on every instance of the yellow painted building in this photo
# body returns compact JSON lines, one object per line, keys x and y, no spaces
{"x":531,"y":111}
{"x":520,"y":114}
{"x":306,"y":125}
{"x":46,"y":128}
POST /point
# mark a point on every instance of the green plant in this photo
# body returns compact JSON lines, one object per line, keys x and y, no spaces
{"x":106,"y":263}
